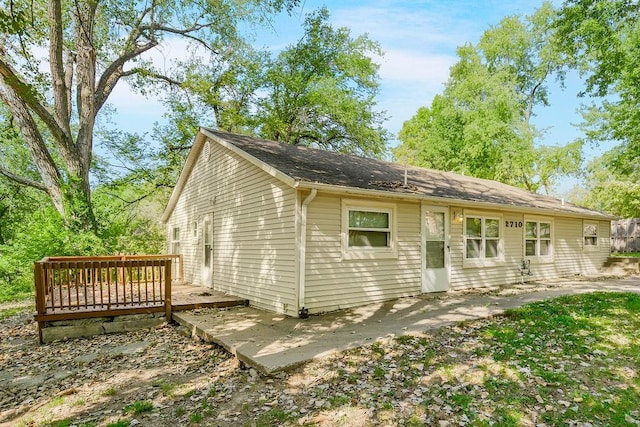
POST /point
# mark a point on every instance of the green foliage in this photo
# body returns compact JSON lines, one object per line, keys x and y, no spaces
{"x":602,"y":39}
{"x":122,"y":229}
{"x":318,"y":92}
{"x":321,"y":91}
{"x":480,"y":124}
{"x":139,"y":407}
{"x":613,"y":183}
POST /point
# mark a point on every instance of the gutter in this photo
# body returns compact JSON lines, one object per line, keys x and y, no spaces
{"x":302,"y":185}
{"x":303,"y":312}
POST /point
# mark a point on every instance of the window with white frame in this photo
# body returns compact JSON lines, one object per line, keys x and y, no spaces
{"x":368,"y":228}
{"x":537,"y":238}
{"x":482,"y":237}
{"x":175,"y":240}
{"x":590,"y":234}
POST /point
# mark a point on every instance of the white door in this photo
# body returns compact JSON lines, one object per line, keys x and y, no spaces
{"x":435,"y":248}
{"x":207,"y":251}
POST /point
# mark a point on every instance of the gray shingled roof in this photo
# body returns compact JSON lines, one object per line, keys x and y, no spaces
{"x":308,"y":165}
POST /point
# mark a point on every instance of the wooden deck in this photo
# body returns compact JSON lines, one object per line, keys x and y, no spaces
{"x":188,"y":297}
{"x":103,"y":286}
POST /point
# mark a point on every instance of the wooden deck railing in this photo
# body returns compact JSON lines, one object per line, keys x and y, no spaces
{"x":83,"y":287}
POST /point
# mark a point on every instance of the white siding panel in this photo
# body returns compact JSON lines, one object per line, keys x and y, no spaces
{"x":254,"y":230}
{"x":333,"y":282}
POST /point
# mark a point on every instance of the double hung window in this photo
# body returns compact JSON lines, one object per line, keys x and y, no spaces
{"x":482,"y":237}
{"x":368,"y":229}
{"x":537,"y":239}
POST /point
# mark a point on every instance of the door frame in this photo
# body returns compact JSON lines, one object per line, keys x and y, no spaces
{"x":426,"y":286}
{"x":207,"y":235}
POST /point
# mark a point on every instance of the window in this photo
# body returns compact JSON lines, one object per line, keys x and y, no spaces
{"x":590,"y":233}
{"x":175,"y":240}
{"x":368,"y":229}
{"x":482,"y":237}
{"x":537,"y":238}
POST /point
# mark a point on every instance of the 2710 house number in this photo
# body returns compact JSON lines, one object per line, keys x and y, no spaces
{"x":513,"y":224}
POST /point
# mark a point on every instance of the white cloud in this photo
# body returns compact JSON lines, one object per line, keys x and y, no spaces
{"x":415,"y":67}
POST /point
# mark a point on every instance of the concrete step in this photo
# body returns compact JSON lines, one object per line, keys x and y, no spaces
{"x":621,"y":265}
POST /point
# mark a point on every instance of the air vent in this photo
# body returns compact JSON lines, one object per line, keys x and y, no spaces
{"x":207,"y":150}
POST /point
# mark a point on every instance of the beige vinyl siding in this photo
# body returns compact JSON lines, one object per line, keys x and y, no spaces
{"x":254,"y":229}
{"x":333,"y":282}
{"x":569,"y":257}
{"x":503,"y":271}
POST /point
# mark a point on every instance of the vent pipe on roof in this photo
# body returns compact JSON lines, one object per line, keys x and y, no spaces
{"x":562,"y":201}
{"x":405,"y":171}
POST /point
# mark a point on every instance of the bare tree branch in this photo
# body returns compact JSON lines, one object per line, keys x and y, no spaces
{"x":185,"y":32}
{"x":115,"y":71}
{"x":23,"y":181}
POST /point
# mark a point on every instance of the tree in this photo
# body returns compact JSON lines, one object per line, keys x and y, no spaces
{"x":321,"y":92}
{"x":602,"y":39}
{"x":92,"y":45}
{"x":481,"y":124}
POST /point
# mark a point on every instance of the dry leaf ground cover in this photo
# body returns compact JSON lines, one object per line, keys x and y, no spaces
{"x":571,"y":361}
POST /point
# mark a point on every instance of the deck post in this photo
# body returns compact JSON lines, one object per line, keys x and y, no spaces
{"x":39,"y":282}
{"x":167,"y":289}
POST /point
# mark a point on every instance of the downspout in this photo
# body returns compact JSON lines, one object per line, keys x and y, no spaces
{"x":303,"y":313}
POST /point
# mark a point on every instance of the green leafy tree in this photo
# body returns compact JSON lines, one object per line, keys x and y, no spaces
{"x":481,"y":124}
{"x":602,"y":38}
{"x":321,"y":92}
{"x":92,"y":46}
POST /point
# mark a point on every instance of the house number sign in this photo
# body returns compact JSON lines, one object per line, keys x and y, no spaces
{"x":513,"y":224}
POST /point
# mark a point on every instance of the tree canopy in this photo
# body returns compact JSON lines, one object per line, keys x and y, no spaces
{"x":319,"y":91}
{"x":91,"y":46}
{"x":481,"y":124}
{"x":602,"y":39}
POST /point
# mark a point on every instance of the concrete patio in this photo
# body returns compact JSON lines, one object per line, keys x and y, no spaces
{"x":270,"y":342}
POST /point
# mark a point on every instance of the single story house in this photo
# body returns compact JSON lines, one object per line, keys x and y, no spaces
{"x":292,"y":228}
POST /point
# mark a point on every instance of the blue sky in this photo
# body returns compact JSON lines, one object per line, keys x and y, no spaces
{"x":419,"y":39}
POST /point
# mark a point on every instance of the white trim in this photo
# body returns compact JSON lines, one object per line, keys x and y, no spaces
{"x":423,"y":244}
{"x":388,"y":252}
{"x":189,"y":164}
{"x":482,"y":261}
{"x":301,"y":242}
{"x":538,"y":259}
{"x":253,"y":160}
{"x":595,"y":247}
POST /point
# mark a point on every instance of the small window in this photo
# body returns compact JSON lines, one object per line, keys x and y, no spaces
{"x":482,"y":237}
{"x":175,"y":240}
{"x":590,"y":234}
{"x":537,"y":239}
{"x":368,"y":229}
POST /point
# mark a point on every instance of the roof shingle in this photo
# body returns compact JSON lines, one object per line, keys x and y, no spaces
{"x":308,"y":165}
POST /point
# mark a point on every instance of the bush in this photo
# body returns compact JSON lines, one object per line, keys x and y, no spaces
{"x":42,"y":233}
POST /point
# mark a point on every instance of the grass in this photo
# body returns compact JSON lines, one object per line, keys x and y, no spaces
{"x":626,"y":254}
{"x":13,"y":311}
{"x":569,"y":360}
{"x":138,"y":407}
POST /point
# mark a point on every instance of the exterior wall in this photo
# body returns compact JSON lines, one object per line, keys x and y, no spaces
{"x":569,"y":254}
{"x":333,"y":282}
{"x":254,"y":251}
